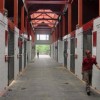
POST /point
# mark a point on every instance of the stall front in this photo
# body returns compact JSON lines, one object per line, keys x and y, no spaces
{"x":96,"y":52}
{"x":78,"y":52}
{"x":68,"y":52}
{"x":3,"y":52}
{"x":72,"y":52}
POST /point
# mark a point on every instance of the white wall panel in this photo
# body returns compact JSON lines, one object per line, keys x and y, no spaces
{"x":60,"y":52}
{"x":4,"y":65}
{"x":26,"y":54}
{"x":79,"y":53}
{"x":52,"y":50}
{"x":16,"y":59}
{"x":23,"y":54}
{"x":68,"y":52}
{"x":29,"y":50}
{"x":56,"y":50}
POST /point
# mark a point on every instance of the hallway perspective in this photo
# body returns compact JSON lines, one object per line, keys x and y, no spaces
{"x":45,"y":79}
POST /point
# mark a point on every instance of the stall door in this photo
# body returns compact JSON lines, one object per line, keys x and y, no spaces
{"x":87,"y":41}
{"x":11,"y":56}
{"x":72,"y":55}
{"x":24,"y":53}
{"x":20,"y":54}
{"x":65,"y":53}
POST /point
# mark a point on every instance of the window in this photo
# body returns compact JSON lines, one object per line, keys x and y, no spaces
{"x":42,"y":37}
{"x":37,"y":37}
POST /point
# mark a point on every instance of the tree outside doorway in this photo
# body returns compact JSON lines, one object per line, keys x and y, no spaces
{"x":43,"y":49}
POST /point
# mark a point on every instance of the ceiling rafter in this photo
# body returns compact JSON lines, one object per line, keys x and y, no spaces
{"x":46,"y":2}
{"x":42,"y":28}
{"x":45,"y":23}
{"x":37,"y":21}
{"x":48,"y":15}
{"x":38,"y":15}
{"x":44,"y":19}
{"x":50,"y":22}
{"x":45,"y":16}
{"x":58,"y":13}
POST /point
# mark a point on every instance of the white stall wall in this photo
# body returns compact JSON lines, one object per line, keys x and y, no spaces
{"x":3,"y":51}
{"x":64,"y":38}
{"x":16,"y":59}
{"x":52,"y":50}
{"x":56,"y":50}
{"x":68,"y":52}
{"x":60,"y":52}
{"x":33,"y":50}
{"x":23,"y":54}
{"x":96,"y":72}
{"x":29,"y":50}
{"x":79,"y":53}
{"x":26,"y":55}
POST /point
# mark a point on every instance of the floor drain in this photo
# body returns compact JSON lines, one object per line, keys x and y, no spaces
{"x":9,"y":89}
{"x":66,"y":83}
{"x":23,"y":88}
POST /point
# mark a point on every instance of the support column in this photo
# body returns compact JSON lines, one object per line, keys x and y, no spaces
{"x":69,"y":18}
{"x":22,"y":19}
{"x":28,"y":30}
{"x":32,"y":34}
{"x":80,"y":11}
{"x":26,"y":20}
{"x":2,"y":4}
{"x":16,"y":12}
{"x":56,"y":33}
{"x":60,"y":31}
{"x":63,"y":28}
{"x":54,"y":36}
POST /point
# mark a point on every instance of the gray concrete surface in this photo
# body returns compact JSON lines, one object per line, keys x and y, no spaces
{"x":45,"y":79}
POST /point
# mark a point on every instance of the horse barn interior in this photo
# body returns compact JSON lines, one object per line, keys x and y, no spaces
{"x":70,"y":27}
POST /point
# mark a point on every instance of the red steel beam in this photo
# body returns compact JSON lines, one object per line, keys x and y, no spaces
{"x":38,"y":15}
{"x":45,"y":23}
{"x":99,"y":7}
{"x":2,"y":4}
{"x":22,"y":19}
{"x":16,"y":12}
{"x":43,"y":19}
{"x":80,"y":12}
{"x":58,"y":13}
{"x":46,"y":2}
{"x":43,"y":28}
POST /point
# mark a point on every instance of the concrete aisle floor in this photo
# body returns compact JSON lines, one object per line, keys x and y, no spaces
{"x":45,"y":79}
